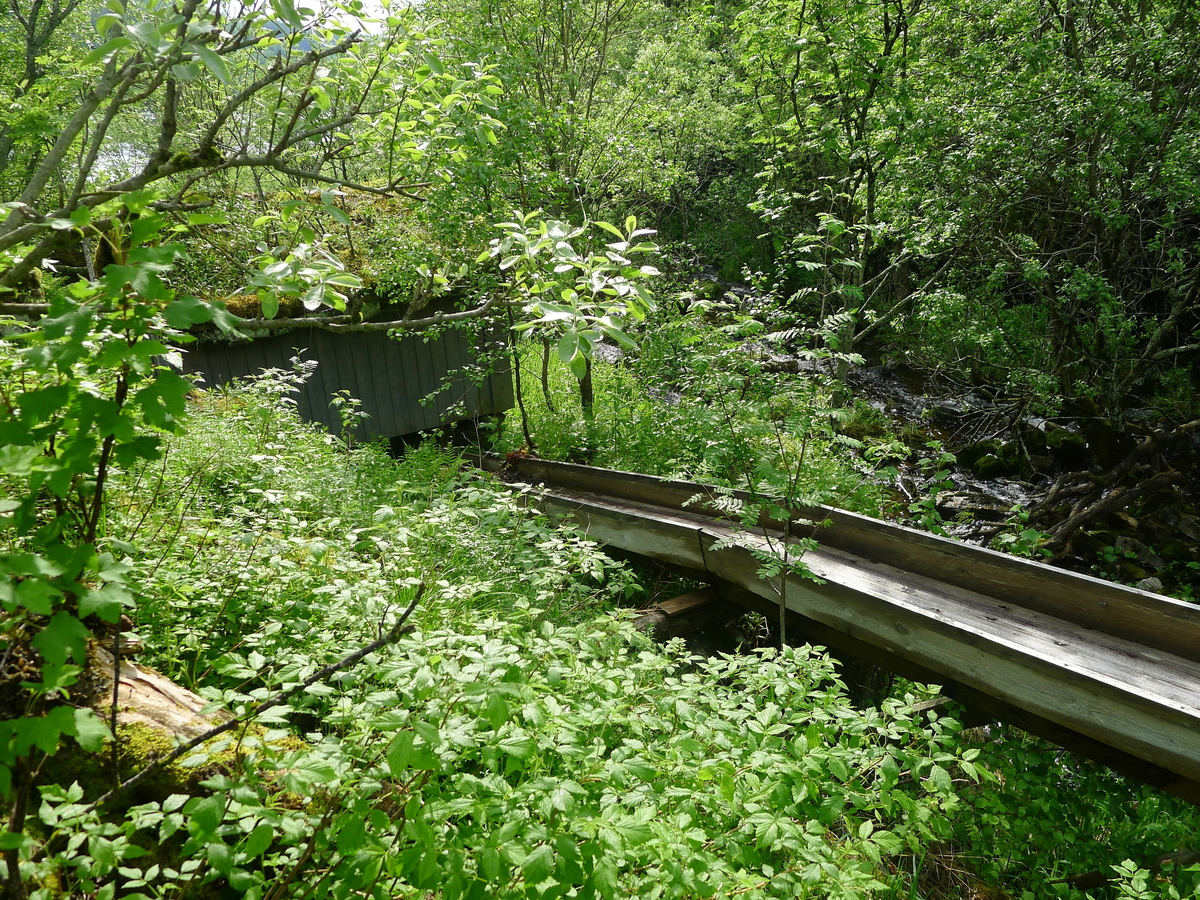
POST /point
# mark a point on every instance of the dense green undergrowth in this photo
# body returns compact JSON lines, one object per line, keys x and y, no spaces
{"x":523,"y":740}
{"x":697,"y":399}
{"x":516,"y":744}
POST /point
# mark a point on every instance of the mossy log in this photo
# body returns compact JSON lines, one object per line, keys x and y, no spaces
{"x":146,"y":697}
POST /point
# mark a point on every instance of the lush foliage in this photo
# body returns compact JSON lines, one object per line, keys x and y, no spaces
{"x":1007,"y":195}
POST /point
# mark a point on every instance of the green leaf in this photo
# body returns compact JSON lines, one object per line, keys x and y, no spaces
{"x":186,"y":71}
{"x":887,"y":842}
{"x":352,"y":835}
{"x":44,"y":732}
{"x":206,"y":812}
{"x":313,"y":297}
{"x":215,"y":64}
{"x":208,"y":218}
{"x":538,"y":865}
{"x":519,"y":746}
{"x":941,"y":780}
{"x":63,"y":636}
{"x":162,"y":400}
{"x":90,"y":730}
{"x":18,"y":461}
{"x":11,"y":840}
{"x":105,"y":22}
{"x":568,"y":347}
{"x":605,"y":878}
{"x":258,"y":840}
{"x":105,"y":602}
{"x":220,"y":857}
{"x":407,"y":753}
{"x":578,"y":366}
{"x":611,"y":229}
{"x":635,"y":832}
{"x":497,"y":711}
{"x":561,"y":796}
{"x":184,"y":312}
{"x":434,"y":63}
{"x":309,"y":769}
{"x":106,"y":50}
{"x":37,"y":596}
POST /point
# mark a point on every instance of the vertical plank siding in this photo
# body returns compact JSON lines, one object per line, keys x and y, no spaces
{"x":390,"y":377}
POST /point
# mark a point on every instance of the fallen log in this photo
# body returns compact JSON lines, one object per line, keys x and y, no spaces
{"x":146,"y":697}
{"x":685,"y":614}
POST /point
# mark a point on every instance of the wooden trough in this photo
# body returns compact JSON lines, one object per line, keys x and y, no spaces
{"x":406,"y":386}
{"x":1109,"y":671}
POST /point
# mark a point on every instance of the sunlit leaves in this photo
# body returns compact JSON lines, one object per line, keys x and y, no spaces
{"x":593,"y":287}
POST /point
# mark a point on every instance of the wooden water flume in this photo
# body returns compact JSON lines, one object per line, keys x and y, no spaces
{"x":1109,"y":671}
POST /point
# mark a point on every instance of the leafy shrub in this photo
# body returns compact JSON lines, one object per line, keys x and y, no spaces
{"x":694,"y":402}
{"x":268,"y":537}
{"x":504,"y":758}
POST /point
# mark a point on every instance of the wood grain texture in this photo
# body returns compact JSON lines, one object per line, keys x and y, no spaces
{"x":1154,"y":621}
{"x":1140,"y":700}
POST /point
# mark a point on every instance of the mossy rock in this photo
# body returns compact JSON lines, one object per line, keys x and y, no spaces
{"x":991,"y":466}
{"x":1032,"y":437}
{"x":864,"y":421}
{"x":1130,"y":572}
{"x":1066,"y":445}
{"x":138,"y":745}
{"x":972,"y":453}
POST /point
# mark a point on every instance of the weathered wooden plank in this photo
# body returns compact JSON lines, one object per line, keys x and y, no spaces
{"x":321,"y":384}
{"x":684,"y":614}
{"x":1151,"y":728}
{"x":688,"y":602}
{"x":1150,"y":619}
{"x":440,"y":370}
{"x":500,"y":388}
{"x":369,"y":355}
{"x":383,"y":356}
{"x":1091,"y":683}
{"x":390,"y":389}
{"x":673,"y":541}
{"x":336,"y":374}
{"x":466,"y":395}
{"x":407,"y":384}
{"x":237,"y":357}
{"x":425,"y":411}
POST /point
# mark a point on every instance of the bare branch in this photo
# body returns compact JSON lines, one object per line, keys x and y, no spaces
{"x":274,"y":74}
{"x":268,"y":162}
